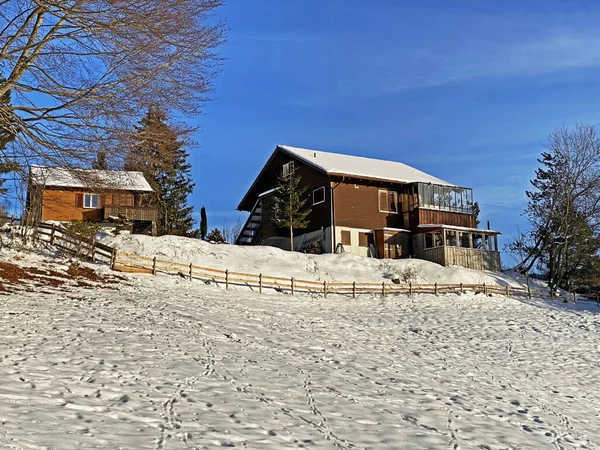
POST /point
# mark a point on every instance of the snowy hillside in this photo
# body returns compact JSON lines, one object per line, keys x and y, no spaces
{"x":275,"y":262}
{"x":161,"y":363}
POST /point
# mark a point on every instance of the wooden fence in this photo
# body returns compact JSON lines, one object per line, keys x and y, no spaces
{"x":126,"y":262}
{"x":75,"y":244}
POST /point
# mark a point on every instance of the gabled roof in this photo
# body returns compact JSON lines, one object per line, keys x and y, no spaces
{"x":360,"y":167}
{"x":90,"y":179}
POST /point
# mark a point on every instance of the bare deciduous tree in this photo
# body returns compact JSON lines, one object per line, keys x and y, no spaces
{"x":82,"y":72}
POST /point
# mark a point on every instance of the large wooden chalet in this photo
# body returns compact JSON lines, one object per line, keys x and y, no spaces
{"x":67,"y":195}
{"x":370,"y":207}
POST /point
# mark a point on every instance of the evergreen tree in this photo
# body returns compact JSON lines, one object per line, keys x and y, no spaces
{"x":563,"y":209}
{"x":289,"y":210}
{"x":159,"y":155}
{"x":203,"y":223}
{"x":215,"y":235}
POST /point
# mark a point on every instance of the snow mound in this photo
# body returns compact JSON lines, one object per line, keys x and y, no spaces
{"x":280,"y":263}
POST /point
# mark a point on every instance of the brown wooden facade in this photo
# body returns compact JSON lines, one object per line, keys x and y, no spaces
{"x":372,"y":217}
{"x":67,"y":204}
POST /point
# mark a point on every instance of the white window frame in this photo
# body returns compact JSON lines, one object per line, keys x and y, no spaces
{"x":88,"y":202}
{"x":387,"y":193}
{"x":287,"y":169}
{"x":318,"y":189}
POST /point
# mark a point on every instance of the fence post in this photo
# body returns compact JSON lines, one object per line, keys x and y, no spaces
{"x":154,"y":266}
{"x":354,"y":289}
{"x":292,"y":283}
{"x":435,"y":291}
{"x":226,"y":279}
{"x":409,"y":288}
{"x":93,"y":248}
{"x":461,"y":288}
{"x":528,"y":291}
{"x":52,"y":234}
{"x":113,"y":258}
{"x":383,"y":288}
{"x":325,"y":289}
{"x":574,"y":297}
{"x":190,"y":271}
{"x":260,"y":283}
{"x":507,"y":291}
{"x":484,"y":289}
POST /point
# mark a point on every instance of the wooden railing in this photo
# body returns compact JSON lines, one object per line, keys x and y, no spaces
{"x":131,"y":212}
{"x":74,"y":243}
{"x":126,"y":262}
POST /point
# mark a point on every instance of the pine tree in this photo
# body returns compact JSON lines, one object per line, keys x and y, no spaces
{"x":290,"y":212}
{"x":563,"y":208}
{"x":215,"y":235}
{"x":159,"y":155}
{"x":203,"y":223}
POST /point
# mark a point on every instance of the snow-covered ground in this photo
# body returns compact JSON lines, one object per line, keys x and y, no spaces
{"x":164,"y":363}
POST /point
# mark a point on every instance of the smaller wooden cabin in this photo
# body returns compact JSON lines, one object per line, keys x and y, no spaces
{"x":370,"y":207}
{"x":67,"y":195}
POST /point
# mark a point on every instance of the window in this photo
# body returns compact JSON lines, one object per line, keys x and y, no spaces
{"x":388,"y":201}
{"x":490,"y":242}
{"x":91,"y":201}
{"x":363,"y":239}
{"x":288,"y":169}
{"x":319,"y":195}
{"x":346,"y":237}
{"x":451,"y":238}
{"x":445,"y":198}
{"x":428,"y":240}
{"x":464,"y":239}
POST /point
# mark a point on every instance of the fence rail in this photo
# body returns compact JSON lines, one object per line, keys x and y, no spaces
{"x":75,"y":243}
{"x":126,"y":262}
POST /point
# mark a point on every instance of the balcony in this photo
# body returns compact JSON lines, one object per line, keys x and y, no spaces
{"x":145,"y":213}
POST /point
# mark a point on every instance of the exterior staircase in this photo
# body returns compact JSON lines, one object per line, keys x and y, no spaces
{"x":251,"y":230}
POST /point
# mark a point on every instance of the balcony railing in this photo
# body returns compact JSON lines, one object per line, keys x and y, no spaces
{"x":131,"y":212}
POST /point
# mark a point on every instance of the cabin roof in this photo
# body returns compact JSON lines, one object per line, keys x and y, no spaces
{"x":89,"y":178}
{"x":361,"y":167}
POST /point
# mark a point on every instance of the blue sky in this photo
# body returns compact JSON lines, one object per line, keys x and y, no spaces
{"x":464,"y":90}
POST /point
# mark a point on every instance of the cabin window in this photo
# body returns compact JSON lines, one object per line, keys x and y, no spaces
{"x":346,"y":237}
{"x":464,"y":239}
{"x":319,"y":195}
{"x":91,"y":201}
{"x":490,"y":242}
{"x":288,"y":169}
{"x":451,"y":238}
{"x":388,"y":201}
{"x":363,"y":239}
{"x":477,"y":240}
{"x":445,"y":198}
{"x":428,"y":240}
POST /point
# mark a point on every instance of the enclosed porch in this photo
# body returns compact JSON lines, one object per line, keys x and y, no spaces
{"x":473,"y":248}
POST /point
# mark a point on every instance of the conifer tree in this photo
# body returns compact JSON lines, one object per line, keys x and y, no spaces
{"x":215,"y":235}
{"x":203,"y":223}
{"x":290,"y":212}
{"x":159,"y":155}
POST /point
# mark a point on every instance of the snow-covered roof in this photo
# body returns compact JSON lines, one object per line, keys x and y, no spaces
{"x":82,"y":178}
{"x":358,"y":166}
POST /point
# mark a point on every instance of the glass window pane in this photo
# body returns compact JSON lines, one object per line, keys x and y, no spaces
{"x":428,"y":240}
{"x":464,"y":239}
{"x":437,"y":239}
{"x":451,"y":238}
